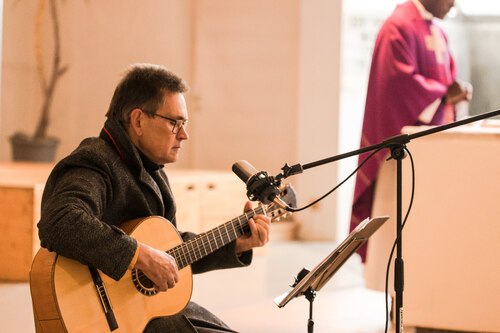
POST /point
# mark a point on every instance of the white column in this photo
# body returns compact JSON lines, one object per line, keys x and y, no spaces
{"x":317,"y":118}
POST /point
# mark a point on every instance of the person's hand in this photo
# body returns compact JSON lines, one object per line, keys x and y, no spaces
{"x":259,"y":232}
{"x":459,"y":91}
{"x":158,"y":266}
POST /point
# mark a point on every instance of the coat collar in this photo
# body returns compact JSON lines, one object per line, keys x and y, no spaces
{"x":116,"y":136}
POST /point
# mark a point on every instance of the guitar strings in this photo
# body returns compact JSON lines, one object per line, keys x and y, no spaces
{"x":215,"y":238}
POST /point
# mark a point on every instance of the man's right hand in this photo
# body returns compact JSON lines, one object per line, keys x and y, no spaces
{"x":158,"y":266}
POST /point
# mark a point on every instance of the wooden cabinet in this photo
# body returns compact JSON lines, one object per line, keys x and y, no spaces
{"x":21,"y":188}
{"x":206,"y":199}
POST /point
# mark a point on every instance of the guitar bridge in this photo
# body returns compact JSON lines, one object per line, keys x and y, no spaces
{"x":103,"y":297}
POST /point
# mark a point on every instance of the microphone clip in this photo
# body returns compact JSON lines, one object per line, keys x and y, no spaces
{"x":262,"y":187}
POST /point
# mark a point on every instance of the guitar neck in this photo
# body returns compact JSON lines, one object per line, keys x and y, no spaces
{"x":212,"y":240}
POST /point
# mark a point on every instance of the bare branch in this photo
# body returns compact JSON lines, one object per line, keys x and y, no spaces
{"x":57,"y":72}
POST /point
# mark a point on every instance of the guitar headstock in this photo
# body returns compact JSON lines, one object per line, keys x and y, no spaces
{"x":287,"y":195}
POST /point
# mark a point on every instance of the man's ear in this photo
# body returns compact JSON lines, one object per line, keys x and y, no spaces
{"x":136,"y":116}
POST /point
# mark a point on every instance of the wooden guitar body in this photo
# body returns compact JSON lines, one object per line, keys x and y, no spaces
{"x":65,"y":298}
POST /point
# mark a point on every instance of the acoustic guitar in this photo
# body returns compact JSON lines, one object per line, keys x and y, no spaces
{"x":69,"y":297}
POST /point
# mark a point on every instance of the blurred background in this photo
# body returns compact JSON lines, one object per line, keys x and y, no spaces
{"x":270,"y":82}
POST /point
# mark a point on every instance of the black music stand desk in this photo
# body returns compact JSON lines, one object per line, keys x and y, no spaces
{"x":307,"y":282}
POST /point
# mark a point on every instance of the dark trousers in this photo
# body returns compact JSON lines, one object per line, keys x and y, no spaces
{"x":194,"y":319}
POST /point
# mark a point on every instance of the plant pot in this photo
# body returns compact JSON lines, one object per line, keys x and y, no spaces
{"x":27,"y":148}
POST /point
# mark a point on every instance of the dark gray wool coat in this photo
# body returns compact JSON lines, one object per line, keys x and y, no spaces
{"x":98,"y":186}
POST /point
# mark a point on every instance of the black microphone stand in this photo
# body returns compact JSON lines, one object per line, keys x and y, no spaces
{"x":397,"y":145}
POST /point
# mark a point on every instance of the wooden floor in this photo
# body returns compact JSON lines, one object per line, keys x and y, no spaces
{"x":243,"y":297}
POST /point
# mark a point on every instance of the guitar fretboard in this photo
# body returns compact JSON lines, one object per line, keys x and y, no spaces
{"x":212,"y":240}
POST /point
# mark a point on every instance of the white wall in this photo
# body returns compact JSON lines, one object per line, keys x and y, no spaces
{"x":266,"y":89}
{"x":263,"y":76}
{"x":317,"y":116}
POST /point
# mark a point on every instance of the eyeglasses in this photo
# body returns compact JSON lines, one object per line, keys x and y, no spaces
{"x":175,"y":123}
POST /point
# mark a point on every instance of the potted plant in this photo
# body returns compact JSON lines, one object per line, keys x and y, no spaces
{"x":39,"y":146}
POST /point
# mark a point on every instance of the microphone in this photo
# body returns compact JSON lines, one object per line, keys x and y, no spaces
{"x":260,"y":186}
{"x":244,"y":170}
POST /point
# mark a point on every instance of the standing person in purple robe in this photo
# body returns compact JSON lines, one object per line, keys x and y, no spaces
{"x":412,"y":82}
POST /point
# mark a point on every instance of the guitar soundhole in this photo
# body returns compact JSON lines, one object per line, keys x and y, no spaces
{"x":141,"y":282}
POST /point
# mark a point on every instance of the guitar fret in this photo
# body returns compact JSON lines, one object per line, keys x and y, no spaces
{"x":215,"y":239}
{"x":191,"y":251}
{"x":182,"y":254}
{"x":181,"y":263}
{"x":185,"y":251}
{"x":204,"y":248}
{"x":241,"y":226}
{"x":172,"y":253}
{"x":220,"y":236}
{"x":224,"y":235}
{"x":198,"y":248}
{"x":210,"y":244}
{"x":227,"y":232}
{"x":234,"y":229}
{"x":176,"y":254}
{"x":246,"y":223}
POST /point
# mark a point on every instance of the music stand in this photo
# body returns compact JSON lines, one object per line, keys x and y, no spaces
{"x":307,"y":282}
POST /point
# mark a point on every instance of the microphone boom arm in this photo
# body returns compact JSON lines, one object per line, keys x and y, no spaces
{"x":398,"y":140}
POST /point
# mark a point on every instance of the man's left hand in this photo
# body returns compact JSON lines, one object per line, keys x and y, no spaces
{"x":259,"y":232}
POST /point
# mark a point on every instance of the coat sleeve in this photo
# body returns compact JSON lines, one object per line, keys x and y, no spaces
{"x":72,"y":207}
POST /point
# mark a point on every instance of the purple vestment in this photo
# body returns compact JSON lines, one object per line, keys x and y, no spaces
{"x":407,"y":75}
